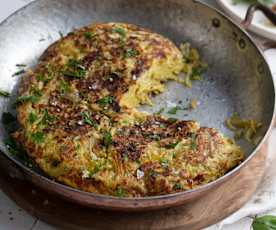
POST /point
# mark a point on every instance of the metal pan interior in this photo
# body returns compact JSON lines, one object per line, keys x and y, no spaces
{"x":238,"y":78}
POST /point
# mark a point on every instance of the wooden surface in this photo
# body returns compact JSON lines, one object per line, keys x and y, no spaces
{"x":211,"y":208}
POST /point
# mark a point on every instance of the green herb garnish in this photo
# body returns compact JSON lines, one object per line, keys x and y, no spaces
{"x":32,"y":117}
{"x":4,"y":93}
{"x":172,"y":145}
{"x":177,"y":186}
{"x":37,"y":92}
{"x":107,"y":100}
{"x":44,"y":78}
{"x":87,"y":119}
{"x":107,"y":139}
{"x":172,"y":120}
{"x":11,"y":146}
{"x":27,"y":98}
{"x":264,"y":223}
{"x":47,"y":118}
{"x":131,"y":53}
{"x":159,"y":111}
{"x":173,"y":155}
{"x":20,"y":65}
{"x":37,"y":137}
{"x":60,"y":34}
{"x":88,"y":35}
{"x":64,"y":87}
{"x":193,"y":142}
{"x":18,"y":72}
{"x":120,"y":31}
{"x":120,"y":192}
{"x":164,"y":162}
{"x":74,"y":69}
{"x":174,"y":110}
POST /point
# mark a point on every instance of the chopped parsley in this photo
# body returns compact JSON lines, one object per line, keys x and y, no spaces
{"x":74,"y":69}
{"x":37,"y":137}
{"x":44,"y":78}
{"x":172,"y":145}
{"x":159,"y":111}
{"x":107,"y":139}
{"x":107,"y":100}
{"x":88,"y":35}
{"x":32,"y":117}
{"x":19,"y":72}
{"x":120,"y":192}
{"x":174,"y":155}
{"x":11,"y":146}
{"x":20,"y":65}
{"x":131,"y":53}
{"x":120,"y":31}
{"x":164,"y":162}
{"x":64,"y":87}
{"x":174,"y":110}
{"x":122,"y":34}
{"x":152,"y":173}
{"x":177,"y":186}
{"x":60,"y":34}
{"x":87,"y":119}
{"x":4,"y":94}
{"x":27,"y":98}
{"x":47,"y":118}
{"x":193,"y":142}
{"x":172,"y":120}
{"x":37,"y":92}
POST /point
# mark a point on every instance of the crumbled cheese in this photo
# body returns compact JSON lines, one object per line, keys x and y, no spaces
{"x":85,"y":173}
{"x":139,"y":174}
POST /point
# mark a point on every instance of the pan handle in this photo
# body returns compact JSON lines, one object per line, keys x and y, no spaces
{"x":269,"y":13}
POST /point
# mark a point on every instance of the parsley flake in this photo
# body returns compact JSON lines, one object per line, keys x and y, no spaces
{"x":88,"y":35}
{"x":74,"y":69}
{"x":105,"y":100}
{"x":32,"y":117}
{"x":172,"y":145}
{"x":87,"y":119}
{"x":174,"y":110}
{"x":120,"y":31}
{"x":4,"y":94}
{"x":177,"y":186}
{"x":131,"y":53}
{"x":37,"y":137}
{"x":19,"y":72}
{"x":107,"y":139}
{"x":120,"y":192}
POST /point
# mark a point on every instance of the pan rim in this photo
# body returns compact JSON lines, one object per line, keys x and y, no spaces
{"x":130,"y":202}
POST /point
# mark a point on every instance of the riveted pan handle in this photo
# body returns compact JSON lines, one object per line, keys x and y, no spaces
{"x":269,"y":13}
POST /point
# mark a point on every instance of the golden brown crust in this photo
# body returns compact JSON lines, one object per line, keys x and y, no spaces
{"x":79,"y":123}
